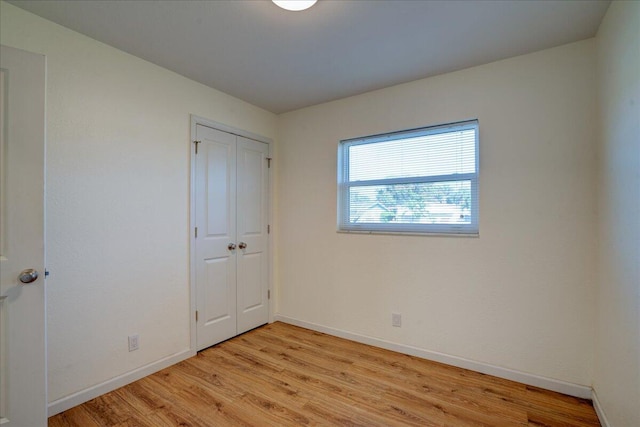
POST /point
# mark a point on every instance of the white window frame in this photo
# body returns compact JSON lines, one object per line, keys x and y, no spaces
{"x":344,"y":185}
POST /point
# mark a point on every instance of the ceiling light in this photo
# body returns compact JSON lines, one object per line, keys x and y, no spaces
{"x":295,"y":5}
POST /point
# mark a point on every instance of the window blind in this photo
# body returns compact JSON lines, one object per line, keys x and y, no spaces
{"x":423,"y":180}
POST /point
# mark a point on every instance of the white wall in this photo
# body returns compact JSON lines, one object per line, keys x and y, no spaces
{"x":521,"y":295}
{"x":117,"y":200}
{"x":617,"y":351}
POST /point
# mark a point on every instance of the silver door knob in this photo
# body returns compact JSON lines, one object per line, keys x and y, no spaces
{"x":242,"y":245}
{"x":27,"y":276}
{"x":231,"y":246}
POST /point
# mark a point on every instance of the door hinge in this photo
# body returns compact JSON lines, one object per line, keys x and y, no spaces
{"x":197,"y":142}
{"x":269,"y":162}
{"x":269,"y":294}
{"x":196,"y":232}
{"x":268,"y":229}
{"x":196,"y":315}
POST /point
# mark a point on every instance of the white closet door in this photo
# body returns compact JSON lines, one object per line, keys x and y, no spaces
{"x":231,"y":204}
{"x":215,"y":203}
{"x":252,"y":202}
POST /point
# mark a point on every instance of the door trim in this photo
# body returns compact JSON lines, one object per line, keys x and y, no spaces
{"x":197,"y":120}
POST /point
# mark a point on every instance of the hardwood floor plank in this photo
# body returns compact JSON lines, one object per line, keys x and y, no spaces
{"x":74,"y":417}
{"x":238,"y":375}
{"x":195,"y":403}
{"x":109,"y":409}
{"x":144,"y":403}
{"x":565,"y":410}
{"x":282,"y":375}
{"x":274,"y":400}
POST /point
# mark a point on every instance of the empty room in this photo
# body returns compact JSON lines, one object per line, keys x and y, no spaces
{"x":331,"y":212}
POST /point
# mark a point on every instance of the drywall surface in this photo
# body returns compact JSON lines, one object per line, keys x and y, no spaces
{"x":117,"y":200}
{"x":617,"y":350}
{"x":519,"y":296}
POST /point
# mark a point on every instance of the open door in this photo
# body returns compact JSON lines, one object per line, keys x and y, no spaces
{"x":23,"y":389}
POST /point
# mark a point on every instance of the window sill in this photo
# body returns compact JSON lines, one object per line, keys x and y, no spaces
{"x":409,"y":233}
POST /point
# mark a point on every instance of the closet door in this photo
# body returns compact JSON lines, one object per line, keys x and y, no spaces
{"x":215,"y":243}
{"x":252,"y":214}
{"x":231,"y":204}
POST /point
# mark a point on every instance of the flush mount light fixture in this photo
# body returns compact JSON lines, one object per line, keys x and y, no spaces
{"x":295,"y":5}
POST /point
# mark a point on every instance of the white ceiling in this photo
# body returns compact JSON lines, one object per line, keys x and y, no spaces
{"x":283,"y":60}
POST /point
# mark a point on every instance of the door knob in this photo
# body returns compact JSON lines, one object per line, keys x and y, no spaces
{"x":242,"y":245}
{"x":231,"y":246}
{"x":27,"y":276}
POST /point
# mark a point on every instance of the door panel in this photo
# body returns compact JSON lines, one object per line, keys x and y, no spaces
{"x":215,"y":206}
{"x":217,"y":307}
{"x":253,"y":275}
{"x":251,"y":289}
{"x":23,"y":390}
{"x":250,"y":191}
{"x":219,"y":192}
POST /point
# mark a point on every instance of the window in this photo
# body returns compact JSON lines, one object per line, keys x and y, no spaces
{"x":416,"y":181}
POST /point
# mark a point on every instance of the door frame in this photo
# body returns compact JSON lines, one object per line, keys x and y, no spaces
{"x":197,"y":120}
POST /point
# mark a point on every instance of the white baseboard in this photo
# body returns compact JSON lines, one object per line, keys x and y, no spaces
{"x":92,"y":392}
{"x":564,"y":387}
{"x":599,"y":412}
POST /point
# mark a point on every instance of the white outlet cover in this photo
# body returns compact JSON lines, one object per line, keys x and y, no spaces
{"x":396,"y":320}
{"x":133,"y":342}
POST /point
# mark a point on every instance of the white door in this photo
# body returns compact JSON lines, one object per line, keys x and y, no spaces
{"x":231,"y":206}
{"x":215,"y":194}
{"x":23,"y":391}
{"x":252,"y":202}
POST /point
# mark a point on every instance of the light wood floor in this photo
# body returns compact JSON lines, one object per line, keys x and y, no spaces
{"x":281,"y":375}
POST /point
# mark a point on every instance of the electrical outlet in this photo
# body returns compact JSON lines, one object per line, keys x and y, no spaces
{"x":396,"y":320}
{"x":134,"y":343}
